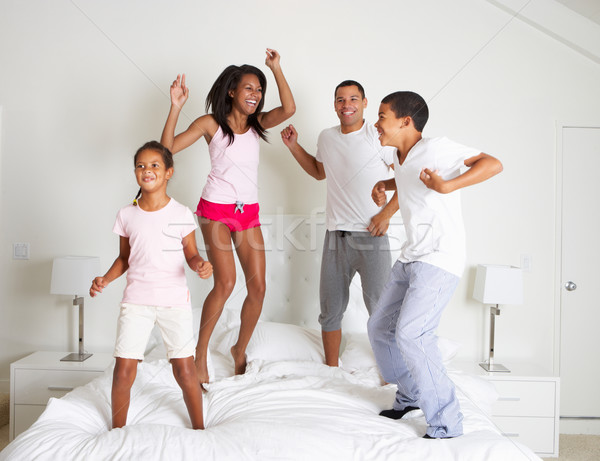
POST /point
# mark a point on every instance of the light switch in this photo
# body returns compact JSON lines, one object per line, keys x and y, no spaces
{"x":526,"y":263}
{"x":20,"y":250}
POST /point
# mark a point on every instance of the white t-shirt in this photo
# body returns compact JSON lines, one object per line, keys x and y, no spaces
{"x":353,"y":163}
{"x":156,"y":273}
{"x":433,"y":221}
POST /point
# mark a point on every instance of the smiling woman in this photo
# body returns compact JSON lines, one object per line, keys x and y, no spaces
{"x":228,"y":209}
{"x":241,"y":87}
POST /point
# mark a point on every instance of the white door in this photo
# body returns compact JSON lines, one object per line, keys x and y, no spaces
{"x":580,"y":273}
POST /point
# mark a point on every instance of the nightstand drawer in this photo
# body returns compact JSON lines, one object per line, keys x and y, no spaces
{"x":525,"y":398}
{"x":26,"y":415}
{"x":35,"y":387}
{"x":39,"y":376}
{"x":536,"y":433}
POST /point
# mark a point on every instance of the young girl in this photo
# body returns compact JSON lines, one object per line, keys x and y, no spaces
{"x":156,"y":238}
{"x":228,"y":209}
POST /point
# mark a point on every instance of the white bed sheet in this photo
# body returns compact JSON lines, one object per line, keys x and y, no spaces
{"x":281,"y":410}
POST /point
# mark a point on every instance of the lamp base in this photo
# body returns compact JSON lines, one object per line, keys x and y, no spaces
{"x":494,"y":367}
{"x":75,"y":357}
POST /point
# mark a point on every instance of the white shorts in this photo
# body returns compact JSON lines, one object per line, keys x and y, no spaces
{"x":136,"y":323}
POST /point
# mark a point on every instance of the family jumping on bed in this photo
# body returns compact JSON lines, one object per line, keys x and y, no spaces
{"x":405,"y":301}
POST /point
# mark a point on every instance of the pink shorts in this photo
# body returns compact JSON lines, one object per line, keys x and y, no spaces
{"x":237,"y":218}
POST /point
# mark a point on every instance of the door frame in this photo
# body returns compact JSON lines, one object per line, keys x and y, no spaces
{"x":560,"y":126}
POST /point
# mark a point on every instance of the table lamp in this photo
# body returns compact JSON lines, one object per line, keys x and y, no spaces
{"x":73,"y":275}
{"x":497,"y":285}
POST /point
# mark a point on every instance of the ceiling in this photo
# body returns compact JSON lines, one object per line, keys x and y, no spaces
{"x":588,"y":8}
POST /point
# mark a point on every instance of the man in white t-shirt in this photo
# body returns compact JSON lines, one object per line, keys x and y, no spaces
{"x":350,"y":157}
{"x":402,"y":329}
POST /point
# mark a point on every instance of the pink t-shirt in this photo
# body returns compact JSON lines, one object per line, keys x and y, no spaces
{"x":156,"y":273}
{"x":234,"y":168}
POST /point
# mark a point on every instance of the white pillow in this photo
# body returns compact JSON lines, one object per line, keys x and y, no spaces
{"x":358,"y":354}
{"x":159,"y":352}
{"x":448,"y":348}
{"x":277,"y":341}
{"x":229,"y":319}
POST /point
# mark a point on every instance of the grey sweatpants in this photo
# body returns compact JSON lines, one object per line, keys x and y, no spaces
{"x":344,"y":254}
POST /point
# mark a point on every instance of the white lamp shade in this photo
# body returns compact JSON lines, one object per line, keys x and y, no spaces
{"x":498,"y":284}
{"x":73,"y":275}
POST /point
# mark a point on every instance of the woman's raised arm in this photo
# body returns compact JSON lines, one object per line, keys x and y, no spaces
{"x":288,"y":107}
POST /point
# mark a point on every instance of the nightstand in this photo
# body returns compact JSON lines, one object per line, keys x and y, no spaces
{"x":41,"y":375}
{"x":528,"y":407}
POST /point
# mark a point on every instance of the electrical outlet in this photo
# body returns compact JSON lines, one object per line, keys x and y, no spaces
{"x":526,"y":263}
{"x":20,"y":250}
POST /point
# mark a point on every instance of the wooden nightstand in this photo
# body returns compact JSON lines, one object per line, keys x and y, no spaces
{"x":41,"y":375}
{"x":528,"y":407}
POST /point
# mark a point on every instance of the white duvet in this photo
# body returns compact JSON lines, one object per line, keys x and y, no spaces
{"x":282,"y":410}
{"x":276,"y":411}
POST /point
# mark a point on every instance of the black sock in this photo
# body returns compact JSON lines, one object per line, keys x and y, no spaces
{"x":397,"y":414}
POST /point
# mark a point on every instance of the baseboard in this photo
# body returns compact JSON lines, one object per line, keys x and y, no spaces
{"x":5,"y":386}
{"x":580,"y":426}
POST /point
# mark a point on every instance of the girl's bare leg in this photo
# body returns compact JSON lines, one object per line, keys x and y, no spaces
{"x":250,"y":249}
{"x":185,"y":375}
{"x":217,"y":239}
{"x":123,"y":378}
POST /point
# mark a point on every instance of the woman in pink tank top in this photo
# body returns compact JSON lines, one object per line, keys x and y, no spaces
{"x":228,"y":209}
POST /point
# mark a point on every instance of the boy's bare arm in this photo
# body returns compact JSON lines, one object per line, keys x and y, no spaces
{"x":381,"y":221}
{"x":481,"y":168}
{"x":378,"y":192}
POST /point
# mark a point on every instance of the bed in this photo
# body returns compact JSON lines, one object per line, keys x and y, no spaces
{"x":287,"y":406}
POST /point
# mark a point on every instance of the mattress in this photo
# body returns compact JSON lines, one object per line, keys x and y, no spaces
{"x":287,"y":406}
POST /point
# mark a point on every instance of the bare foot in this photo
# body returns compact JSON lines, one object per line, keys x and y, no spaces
{"x":201,"y":370}
{"x":239,"y":361}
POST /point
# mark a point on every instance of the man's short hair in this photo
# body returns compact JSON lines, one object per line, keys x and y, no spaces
{"x":350,"y":83}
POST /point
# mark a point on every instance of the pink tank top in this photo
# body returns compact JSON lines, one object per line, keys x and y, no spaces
{"x":234,"y":168}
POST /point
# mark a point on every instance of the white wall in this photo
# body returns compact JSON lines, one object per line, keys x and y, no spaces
{"x":84,"y":83}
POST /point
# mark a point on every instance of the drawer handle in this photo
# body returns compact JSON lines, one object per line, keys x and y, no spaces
{"x":510,"y":399}
{"x":60,"y":388}
{"x":510,"y":434}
